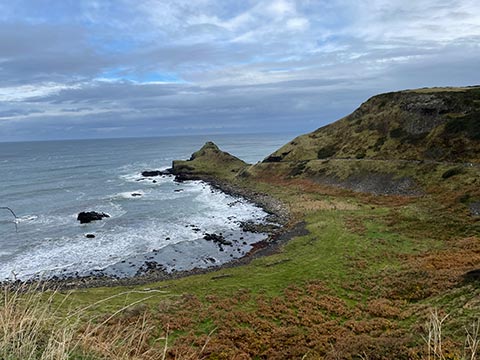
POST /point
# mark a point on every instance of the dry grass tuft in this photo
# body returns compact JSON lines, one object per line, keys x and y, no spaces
{"x":33,"y":328}
{"x":434,"y":339}
{"x":436,"y":346}
{"x":30,"y":327}
{"x":472,"y":341}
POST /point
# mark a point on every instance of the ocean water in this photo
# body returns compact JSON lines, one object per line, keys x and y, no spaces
{"x":48,"y":183}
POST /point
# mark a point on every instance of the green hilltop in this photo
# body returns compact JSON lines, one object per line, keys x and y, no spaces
{"x":440,"y":124}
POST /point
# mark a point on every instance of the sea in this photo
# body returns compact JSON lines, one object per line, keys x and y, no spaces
{"x":153,"y":220}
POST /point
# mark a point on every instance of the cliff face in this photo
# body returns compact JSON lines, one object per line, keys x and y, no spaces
{"x":428,"y":124}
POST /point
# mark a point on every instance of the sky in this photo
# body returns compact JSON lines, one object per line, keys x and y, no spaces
{"x":72,"y":69}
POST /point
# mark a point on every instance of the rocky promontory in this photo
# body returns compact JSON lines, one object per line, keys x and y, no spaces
{"x":208,"y":162}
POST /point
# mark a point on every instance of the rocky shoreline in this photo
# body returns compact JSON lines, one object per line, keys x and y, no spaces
{"x":154,"y":272}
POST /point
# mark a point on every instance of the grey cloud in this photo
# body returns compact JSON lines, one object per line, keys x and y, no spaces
{"x":18,"y":112}
{"x":42,"y":52}
{"x":271,"y":79}
{"x":76,"y":110}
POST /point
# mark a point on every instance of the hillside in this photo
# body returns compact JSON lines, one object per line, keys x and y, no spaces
{"x":440,"y":124}
{"x":400,"y":143}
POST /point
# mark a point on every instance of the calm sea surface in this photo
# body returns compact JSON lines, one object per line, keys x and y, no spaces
{"x":48,"y":183}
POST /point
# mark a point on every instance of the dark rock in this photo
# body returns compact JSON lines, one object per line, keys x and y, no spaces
{"x":218,"y":239}
{"x":150,"y":267}
{"x":273,"y":158}
{"x":180,"y":178}
{"x":250,"y":226}
{"x":152,"y":173}
{"x":90,"y":236}
{"x":88,"y":216}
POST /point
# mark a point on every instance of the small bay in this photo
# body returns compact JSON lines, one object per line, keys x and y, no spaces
{"x":48,"y":183}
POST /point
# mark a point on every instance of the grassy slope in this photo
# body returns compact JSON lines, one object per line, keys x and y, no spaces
{"x":361,"y":283}
{"x":437,"y":124}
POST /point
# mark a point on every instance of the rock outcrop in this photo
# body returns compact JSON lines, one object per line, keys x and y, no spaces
{"x":208,"y":161}
{"x":153,"y":173}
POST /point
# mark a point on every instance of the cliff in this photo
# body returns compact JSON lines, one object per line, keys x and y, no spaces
{"x":399,"y":143}
{"x":440,"y":124}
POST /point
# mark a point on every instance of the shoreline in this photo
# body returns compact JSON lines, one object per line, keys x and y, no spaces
{"x":278,"y":214}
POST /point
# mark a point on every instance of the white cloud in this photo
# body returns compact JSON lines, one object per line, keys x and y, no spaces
{"x":280,"y":8}
{"x":298,"y":24}
{"x":432,"y":21}
{"x":25,"y":92}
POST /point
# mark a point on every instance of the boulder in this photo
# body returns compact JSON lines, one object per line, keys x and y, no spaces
{"x":88,"y":216}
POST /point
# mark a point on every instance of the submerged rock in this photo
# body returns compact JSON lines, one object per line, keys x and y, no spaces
{"x":218,"y":239}
{"x":88,"y":216}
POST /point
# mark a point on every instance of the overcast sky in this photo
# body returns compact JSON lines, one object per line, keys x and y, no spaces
{"x":96,"y":69}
